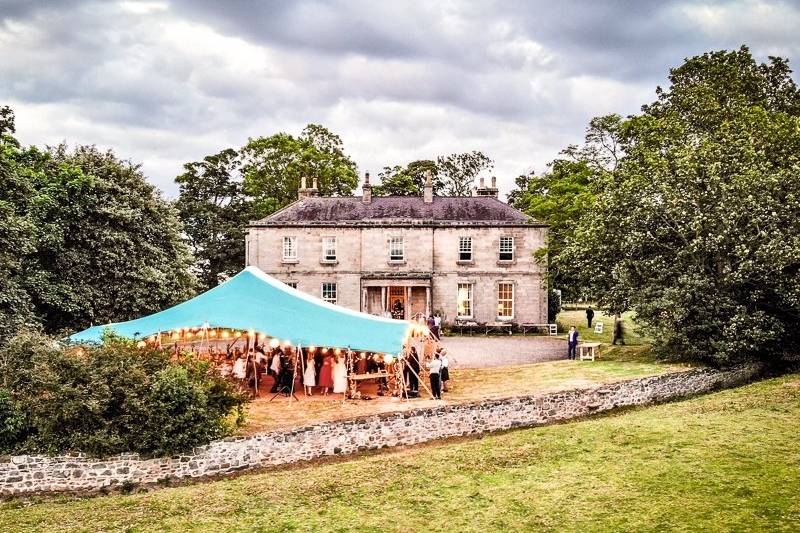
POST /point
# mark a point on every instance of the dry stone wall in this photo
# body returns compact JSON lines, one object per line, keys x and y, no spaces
{"x":27,"y":474}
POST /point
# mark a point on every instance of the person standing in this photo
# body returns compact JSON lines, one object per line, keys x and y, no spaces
{"x":437,"y":321}
{"x":444,"y":375}
{"x":618,"y":334}
{"x":339,"y":375}
{"x":326,"y":375}
{"x":310,"y":374}
{"x":434,"y":367}
{"x":412,"y":371}
{"x":432,"y":327}
{"x":275,"y":369}
{"x":589,"y":316}
{"x":572,"y":343}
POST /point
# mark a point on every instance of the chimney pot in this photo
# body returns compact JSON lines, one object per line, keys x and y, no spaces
{"x":482,"y":183}
{"x":428,"y":190}
{"x":366,"y":190}
{"x":494,"y":182}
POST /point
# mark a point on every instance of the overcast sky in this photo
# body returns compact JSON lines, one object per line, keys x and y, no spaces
{"x":166,"y":82}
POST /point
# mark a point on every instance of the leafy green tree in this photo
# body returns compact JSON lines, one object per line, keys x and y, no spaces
{"x":17,"y":230}
{"x":560,"y":197}
{"x":458,"y":171}
{"x":696,"y":228}
{"x":273,"y":167}
{"x":409,"y":180}
{"x":109,"y":247}
{"x":214,"y":211}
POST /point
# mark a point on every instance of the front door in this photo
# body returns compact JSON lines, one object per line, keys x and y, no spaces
{"x":397,"y":302}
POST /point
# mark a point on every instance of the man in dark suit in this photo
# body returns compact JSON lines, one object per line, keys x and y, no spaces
{"x":589,"y":316}
{"x":572,"y":343}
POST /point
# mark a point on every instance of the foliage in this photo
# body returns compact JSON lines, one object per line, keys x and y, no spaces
{"x":453,"y":175}
{"x":458,"y":171}
{"x":108,"y":399}
{"x":17,"y":230}
{"x":559,"y":197}
{"x":83,"y":239}
{"x":215,"y":212}
{"x":109,"y":247}
{"x":273,"y":167}
{"x":696,"y":227}
{"x":409,"y":180}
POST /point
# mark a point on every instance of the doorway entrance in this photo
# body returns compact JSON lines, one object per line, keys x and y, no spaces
{"x":397,"y":302}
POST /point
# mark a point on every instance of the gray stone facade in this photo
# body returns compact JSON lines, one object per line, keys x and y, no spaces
{"x":434,"y":273}
{"x":29,"y":474}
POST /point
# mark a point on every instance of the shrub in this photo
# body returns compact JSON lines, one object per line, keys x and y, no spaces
{"x":108,"y":399}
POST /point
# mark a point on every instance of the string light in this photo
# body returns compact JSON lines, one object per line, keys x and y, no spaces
{"x":212,"y":333}
{"x":225,"y":334}
{"x":325,"y":350}
{"x":312,"y":349}
{"x":261,"y":337}
{"x":274,"y":343}
{"x":388,"y":359}
{"x":141,"y":344}
{"x":337,"y":351}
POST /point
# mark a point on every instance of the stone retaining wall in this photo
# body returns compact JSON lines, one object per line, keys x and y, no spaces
{"x":77,"y":473}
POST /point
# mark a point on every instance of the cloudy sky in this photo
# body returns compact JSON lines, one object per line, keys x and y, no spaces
{"x":166,"y":82}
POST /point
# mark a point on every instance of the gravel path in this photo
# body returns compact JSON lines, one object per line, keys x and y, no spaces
{"x":481,"y":352}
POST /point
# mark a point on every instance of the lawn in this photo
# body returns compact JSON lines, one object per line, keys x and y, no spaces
{"x":577,"y":318}
{"x":723,"y":462}
{"x":466,"y":385}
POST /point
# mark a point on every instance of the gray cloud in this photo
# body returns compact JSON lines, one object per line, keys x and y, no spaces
{"x":165,"y":82}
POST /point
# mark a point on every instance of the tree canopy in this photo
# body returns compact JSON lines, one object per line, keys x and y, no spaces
{"x":452,"y":175}
{"x":695,"y":229}
{"x":86,"y":239}
{"x":273,"y":167}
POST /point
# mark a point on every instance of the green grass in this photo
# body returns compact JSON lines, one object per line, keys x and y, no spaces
{"x":577,"y":318}
{"x":723,"y":462}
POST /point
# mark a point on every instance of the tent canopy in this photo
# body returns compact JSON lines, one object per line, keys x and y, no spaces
{"x":253,"y":300}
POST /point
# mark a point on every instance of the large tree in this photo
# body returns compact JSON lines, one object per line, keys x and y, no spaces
{"x":108,"y":247}
{"x":459,"y":171}
{"x":215,"y":212}
{"x":696,"y":229}
{"x":273,"y":167}
{"x":17,"y":230}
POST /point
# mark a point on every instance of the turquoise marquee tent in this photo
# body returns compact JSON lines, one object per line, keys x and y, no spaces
{"x":253,"y":300}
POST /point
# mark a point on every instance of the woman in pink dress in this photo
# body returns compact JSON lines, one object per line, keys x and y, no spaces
{"x":326,"y":375}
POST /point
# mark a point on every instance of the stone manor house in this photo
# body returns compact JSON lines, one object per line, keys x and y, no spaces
{"x":470,"y":258}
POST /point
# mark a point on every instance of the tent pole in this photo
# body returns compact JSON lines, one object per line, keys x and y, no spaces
{"x":298,"y":354}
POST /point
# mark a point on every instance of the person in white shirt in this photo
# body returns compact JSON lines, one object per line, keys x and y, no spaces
{"x":239,"y":368}
{"x":437,"y":321}
{"x":434,"y":367}
{"x":444,"y":373}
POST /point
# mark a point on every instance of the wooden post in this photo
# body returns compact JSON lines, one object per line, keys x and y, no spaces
{"x":428,"y":311}
{"x":408,"y":302}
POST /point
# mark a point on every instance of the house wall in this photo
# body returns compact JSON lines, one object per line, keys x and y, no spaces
{"x":429,"y":251}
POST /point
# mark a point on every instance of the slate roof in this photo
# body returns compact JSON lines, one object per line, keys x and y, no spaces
{"x":383,"y":210}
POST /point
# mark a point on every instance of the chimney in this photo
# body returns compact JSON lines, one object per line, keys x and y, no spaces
{"x":428,"y":190}
{"x":366,"y":195}
{"x":305,"y":191}
{"x":483,"y":190}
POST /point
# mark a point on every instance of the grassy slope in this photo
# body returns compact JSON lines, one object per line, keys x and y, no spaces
{"x":728,"y":461}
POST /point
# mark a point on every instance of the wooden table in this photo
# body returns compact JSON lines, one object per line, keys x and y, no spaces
{"x":590,"y":348}
{"x":551,"y":329}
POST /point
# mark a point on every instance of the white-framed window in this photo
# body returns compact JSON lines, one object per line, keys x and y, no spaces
{"x":290,"y":248}
{"x":506,"y":249}
{"x":329,"y":249}
{"x":292,"y":284}
{"x":329,"y":292}
{"x":397,"y":249}
{"x":505,"y":300}
{"x":465,"y":248}
{"x":464,"y":301}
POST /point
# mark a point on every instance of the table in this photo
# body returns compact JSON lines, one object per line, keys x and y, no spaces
{"x":590,"y":348}
{"x":552,"y":329}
